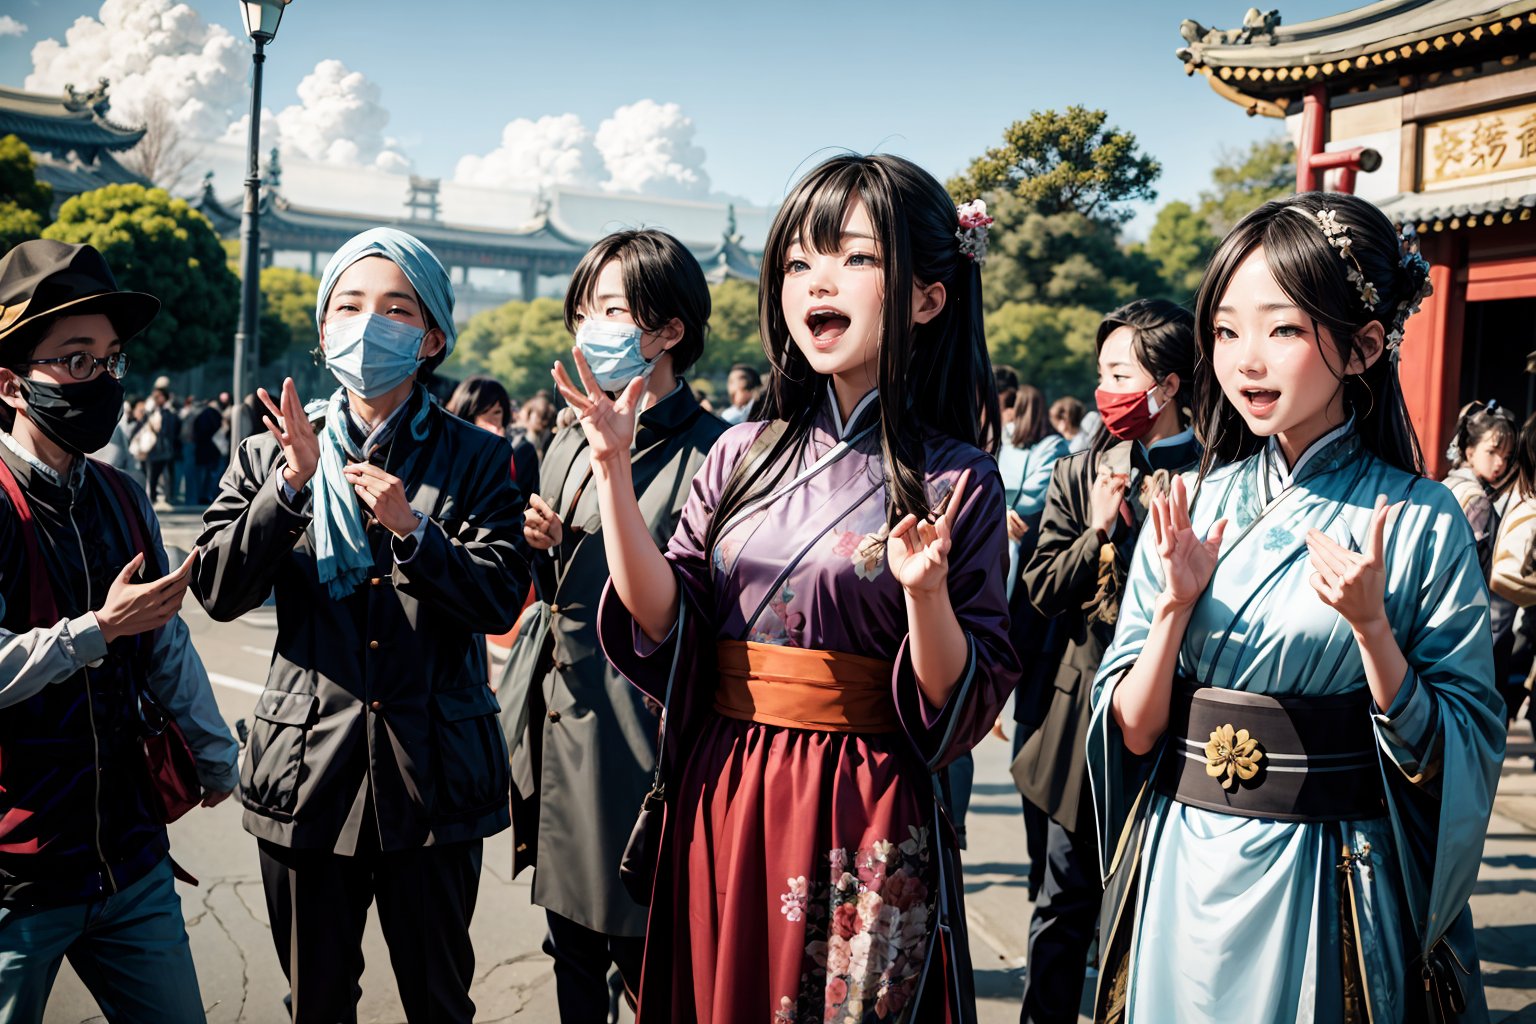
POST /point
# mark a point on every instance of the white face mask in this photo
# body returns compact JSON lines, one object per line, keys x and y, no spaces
{"x":1153,"y":405}
{"x":371,"y":354}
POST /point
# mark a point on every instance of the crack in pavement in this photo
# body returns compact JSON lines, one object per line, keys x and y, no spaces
{"x":245,"y":966}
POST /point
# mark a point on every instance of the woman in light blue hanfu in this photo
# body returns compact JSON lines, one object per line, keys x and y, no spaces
{"x":1295,"y":737}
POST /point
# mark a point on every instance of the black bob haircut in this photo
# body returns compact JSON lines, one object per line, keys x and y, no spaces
{"x":478,"y":395}
{"x":662,"y":282}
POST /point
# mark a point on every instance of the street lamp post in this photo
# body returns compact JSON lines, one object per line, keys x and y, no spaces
{"x":261,"y":21}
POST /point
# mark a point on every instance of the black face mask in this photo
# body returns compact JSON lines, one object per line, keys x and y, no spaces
{"x":78,"y":417}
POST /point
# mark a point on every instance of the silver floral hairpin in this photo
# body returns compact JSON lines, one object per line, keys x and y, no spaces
{"x":973,"y":230}
{"x":1338,"y":237}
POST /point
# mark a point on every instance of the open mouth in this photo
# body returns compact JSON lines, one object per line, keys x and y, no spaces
{"x":827,"y":324}
{"x":1259,"y":400}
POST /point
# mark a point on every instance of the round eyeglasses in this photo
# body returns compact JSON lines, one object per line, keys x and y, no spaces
{"x":81,"y":365}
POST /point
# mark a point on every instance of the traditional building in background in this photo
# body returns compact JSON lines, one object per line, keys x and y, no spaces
{"x":1429,"y":110}
{"x":490,"y":263}
{"x":71,"y":137}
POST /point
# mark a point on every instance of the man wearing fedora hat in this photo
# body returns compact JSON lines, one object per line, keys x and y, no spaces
{"x":85,"y":649}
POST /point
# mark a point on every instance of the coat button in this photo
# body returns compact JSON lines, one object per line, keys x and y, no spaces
{"x":376,"y":705}
{"x":373,"y":645}
{"x":554,"y":716}
{"x":376,"y":580}
{"x":554,"y":609}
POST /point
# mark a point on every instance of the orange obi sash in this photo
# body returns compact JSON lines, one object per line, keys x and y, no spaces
{"x":803,"y":689}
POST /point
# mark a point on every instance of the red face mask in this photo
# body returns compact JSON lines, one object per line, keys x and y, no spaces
{"x":1128,"y":416}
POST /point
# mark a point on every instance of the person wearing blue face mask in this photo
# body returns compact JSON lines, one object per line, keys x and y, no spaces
{"x":390,"y":534}
{"x":639,"y":306}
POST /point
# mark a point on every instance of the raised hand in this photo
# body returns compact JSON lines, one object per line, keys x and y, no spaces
{"x":1350,"y":582}
{"x":133,"y":608}
{"x":609,"y":423}
{"x":289,"y":424}
{"x":917,"y":551}
{"x":541,"y":525}
{"x":1188,"y":561}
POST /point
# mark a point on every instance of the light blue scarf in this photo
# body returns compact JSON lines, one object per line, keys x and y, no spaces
{"x":343,"y":558}
{"x":342,"y":555}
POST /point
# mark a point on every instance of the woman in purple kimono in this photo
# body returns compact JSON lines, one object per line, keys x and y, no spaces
{"x":832,"y":609}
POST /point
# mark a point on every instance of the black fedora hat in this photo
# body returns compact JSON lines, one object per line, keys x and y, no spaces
{"x":41,"y":279}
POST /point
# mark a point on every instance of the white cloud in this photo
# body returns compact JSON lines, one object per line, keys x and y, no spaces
{"x":648,"y":147}
{"x":645,"y":147}
{"x":9,"y":26}
{"x":149,"y":50}
{"x":554,"y":150}
{"x":338,"y":120}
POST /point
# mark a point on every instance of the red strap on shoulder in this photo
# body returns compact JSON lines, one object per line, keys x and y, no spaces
{"x":45,"y":610}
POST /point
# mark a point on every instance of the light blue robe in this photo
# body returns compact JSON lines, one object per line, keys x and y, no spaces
{"x":1026,"y":478}
{"x":1239,"y":918}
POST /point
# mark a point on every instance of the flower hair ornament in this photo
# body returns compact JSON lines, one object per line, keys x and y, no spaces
{"x":1338,"y":237}
{"x":973,"y":230}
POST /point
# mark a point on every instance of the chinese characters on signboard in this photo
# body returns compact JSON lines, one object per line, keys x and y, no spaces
{"x":1499,"y":144}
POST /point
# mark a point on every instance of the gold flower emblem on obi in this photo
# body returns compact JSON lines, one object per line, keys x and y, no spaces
{"x":1232,"y":755}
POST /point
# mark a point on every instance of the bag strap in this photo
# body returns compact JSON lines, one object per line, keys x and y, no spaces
{"x":666,"y":701}
{"x":45,"y":609}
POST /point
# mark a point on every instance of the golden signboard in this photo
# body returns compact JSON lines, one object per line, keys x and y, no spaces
{"x":1485,"y":147}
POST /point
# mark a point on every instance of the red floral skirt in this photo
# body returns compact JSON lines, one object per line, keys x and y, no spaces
{"x":798,"y":883}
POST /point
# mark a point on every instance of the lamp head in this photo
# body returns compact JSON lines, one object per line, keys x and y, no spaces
{"x":262,"y":17}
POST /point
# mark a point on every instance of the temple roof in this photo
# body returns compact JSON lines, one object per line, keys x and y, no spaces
{"x":75,"y":122}
{"x":1264,"y":65}
{"x":1483,"y":205}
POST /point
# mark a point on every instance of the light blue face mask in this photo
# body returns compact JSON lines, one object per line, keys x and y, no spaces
{"x":613,"y":351}
{"x":372,"y":354}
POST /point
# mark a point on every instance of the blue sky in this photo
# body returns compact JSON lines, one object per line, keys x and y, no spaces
{"x":768,"y":86}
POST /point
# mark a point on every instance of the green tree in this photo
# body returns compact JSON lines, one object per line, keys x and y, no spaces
{"x":1064,"y":162}
{"x":1180,"y":244}
{"x":516,"y":343}
{"x":287,"y":312}
{"x":1052,"y":347}
{"x":24,"y":201}
{"x":1247,"y":178}
{"x":162,"y":246}
{"x":733,"y":336}
{"x":1060,"y":259}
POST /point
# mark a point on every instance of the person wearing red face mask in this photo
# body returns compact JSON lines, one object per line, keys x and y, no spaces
{"x":1094,"y":511}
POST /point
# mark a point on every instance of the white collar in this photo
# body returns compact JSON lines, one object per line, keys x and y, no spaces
{"x":1276,"y":458}
{"x":853,"y":417}
{"x":32,"y":460}
{"x":1182,"y":437}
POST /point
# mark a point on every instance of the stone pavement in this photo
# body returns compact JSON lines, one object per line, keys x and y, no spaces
{"x":232,"y":943}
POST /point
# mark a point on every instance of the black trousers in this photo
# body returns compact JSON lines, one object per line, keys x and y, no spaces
{"x":582,"y":957}
{"x":1066,"y":915}
{"x":318,"y":902}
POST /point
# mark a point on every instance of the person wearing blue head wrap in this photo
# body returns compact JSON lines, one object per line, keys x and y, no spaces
{"x":390,"y":533}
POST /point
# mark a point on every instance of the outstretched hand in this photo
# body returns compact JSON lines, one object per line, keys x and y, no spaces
{"x":1188,"y":560}
{"x":609,"y":423}
{"x":290,"y":425}
{"x":917,"y":551}
{"x":1352,"y":583}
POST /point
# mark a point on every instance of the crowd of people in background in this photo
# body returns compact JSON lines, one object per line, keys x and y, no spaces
{"x":776,"y":628}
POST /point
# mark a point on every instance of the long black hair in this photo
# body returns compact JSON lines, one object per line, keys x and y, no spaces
{"x":935,"y":376}
{"x":1315,"y":275}
{"x":1163,"y":342}
{"x":1523,"y":480}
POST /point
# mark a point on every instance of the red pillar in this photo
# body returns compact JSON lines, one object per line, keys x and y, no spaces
{"x":1314,"y":116}
{"x":1430,"y":369}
